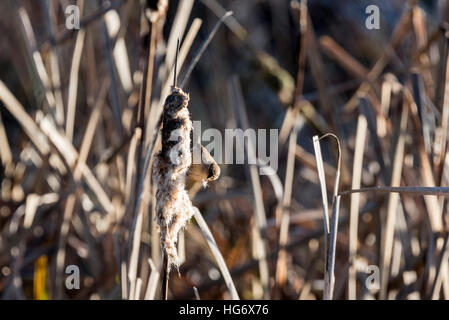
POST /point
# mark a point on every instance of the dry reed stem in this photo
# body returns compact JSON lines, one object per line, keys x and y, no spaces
{"x":203,"y":47}
{"x":309,"y":161}
{"x":138,"y":289}
{"x":69,"y":153}
{"x":177,"y":32}
{"x":322,"y":179}
{"x":5,"y":149}
{"x":330,"y":232}
{"x":440,"y":270}
{"x":441,"y":139}
{"x":145,"y":96}
{"x":36,"y":57}
{"x":77,"y":174}
{"x":260,"y":216}
{"x":133,"y":260}
{"x":419,"y":24}
{"x":432,"y":204}
{"x":342,"y":57}
{"x":426,"y":191}
{"x":231,"y":23}
{"x":130,"y":169}
{"x":152,"y":281}
{"x":216,"y":253}
{"x":29,"y":126}
{"x":156,"y":18}
{"x":66,"y":34}
{"x":50,"y":19}
{"x":321,"y":176}
{"x":292,"y":111}
{"x":393,"y":202}
{"x":286,"y":126}
{"x":330,"y":274}
{"x":114,"y":99}
{"x":355,"y":199}
{"x":317,"y":70}
{"x":281,"y":267}
{"x":119,"y":52}
{"x":400,"y":31}
{"x":73,"y":84}
{"x":299,"y":242}
{"x":329,"y":279}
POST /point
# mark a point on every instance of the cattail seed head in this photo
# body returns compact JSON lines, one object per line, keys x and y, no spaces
{"x":173,"y":206}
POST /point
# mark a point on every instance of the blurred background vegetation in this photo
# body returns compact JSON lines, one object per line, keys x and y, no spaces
{"x":61,"y":204}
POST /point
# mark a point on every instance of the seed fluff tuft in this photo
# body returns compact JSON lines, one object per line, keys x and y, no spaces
{"x":173,"y":206}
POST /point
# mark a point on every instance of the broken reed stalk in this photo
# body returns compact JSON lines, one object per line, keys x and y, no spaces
{"x":330,"y":259}
{"x":320,"y":167}
{"x":322,"y":179}
{"x":334,"y":221}
{"x":152,"y":281}
{"x":330,"y":239}
{"x":330,"y":232}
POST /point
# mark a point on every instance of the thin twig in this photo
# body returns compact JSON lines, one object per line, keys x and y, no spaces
{"x":203,"y":48}
{"x":434,"y":191}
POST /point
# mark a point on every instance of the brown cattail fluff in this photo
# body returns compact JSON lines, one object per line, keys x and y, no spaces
{"x":173,"y":206}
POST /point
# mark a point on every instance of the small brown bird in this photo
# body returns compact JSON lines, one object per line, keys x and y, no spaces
{"x":200,"y":174}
